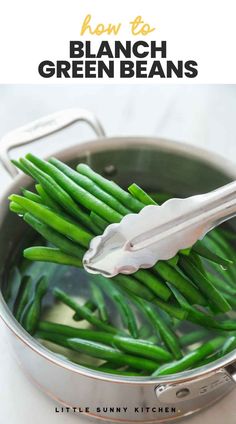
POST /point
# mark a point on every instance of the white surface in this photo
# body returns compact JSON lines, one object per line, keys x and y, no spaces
{"x":200,"y":115}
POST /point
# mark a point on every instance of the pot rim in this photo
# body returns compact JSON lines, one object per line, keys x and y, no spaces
{"x":111,"y":143}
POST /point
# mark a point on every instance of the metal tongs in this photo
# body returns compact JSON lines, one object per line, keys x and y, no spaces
{"x":158,"y":232}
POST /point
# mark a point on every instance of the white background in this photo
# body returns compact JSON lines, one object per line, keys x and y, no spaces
{"x":199,"y":115}
{"x":32,"y":31}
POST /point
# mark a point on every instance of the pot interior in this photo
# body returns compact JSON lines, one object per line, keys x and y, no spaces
{"x":155,"y":169}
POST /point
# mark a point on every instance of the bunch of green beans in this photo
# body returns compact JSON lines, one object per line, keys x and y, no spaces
{"x":196,"y":287}
{"x":122,"y":350}
{"x":92,"y":194}
{"x":25,"y":292}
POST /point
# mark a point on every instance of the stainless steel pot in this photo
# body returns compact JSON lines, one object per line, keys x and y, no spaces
{"x":154,"y":163}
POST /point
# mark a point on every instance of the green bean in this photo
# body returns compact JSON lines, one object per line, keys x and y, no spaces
{"x":60,"y":241}
{"x":145,"y":331}
{"x":111,"y":365}
{"x":23,"y":297}
{"x":111,"y":368}
{"x":171,"y":309}
{"x":185,"y":252}
{"x":198,"y":263}
{"x":126,"y":344}
{"x":230,"y":299}
{"x":207,"y":321}
{"x":191,"y":358}
{"x":97,"y":220}
{"x":175,"y":277}
{"x":221,"y":242}
{"x":203,"y":251}
{"x":153,"y":283}
{"x":56,"y":338}
{"x":227,"y":325}
{"x":47,"y":200}
{"x":49,"y":254}
{"x":84,"y":182}
{"x":101,"y":351}
{"x":204,"y":284}
{"x":155,"y":338}
{"x":199,"y":317}
{"x":31,"y":196}
{"x":68,"y":331}
{"x":78,"y":193}
{"x":226,"y":234}
{"x":38,"y":269}
{"x":194,"y":315}
{"x":99,"y":301}
{"x":219,"y":271}
{"x":32,"y":314}
{"x":215,"y":245}
{"x":83,"y":312}
{"x":47,"y":216}
{"x":142,"y":348}
{"x":207,"y":360}
{"x":88,"y":305}
{"x":133,"y":286}
{"x":14,"y":207}
{"x":174,"y":261}
{"x":160,"y":197}
{"x":126,"y":313}
{"x":20,"y":166}
{"x":221,"y":247}
{"x":167,"y":318}
{"x":111,"y":187}
{"x":141,"y":195}
{"x":167,"y":335}
{"x":193,"y":337}
{"x":57,"y":193}
{"x":221,"y":285}
{"x":13,"y":285}
{"x":228,"y":346}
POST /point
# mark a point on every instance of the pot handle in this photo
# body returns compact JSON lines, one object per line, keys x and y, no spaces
{"x":42,"y":127}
